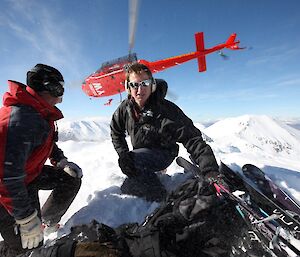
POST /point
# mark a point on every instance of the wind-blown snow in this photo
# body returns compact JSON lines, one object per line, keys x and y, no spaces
{"x":271,"y":145}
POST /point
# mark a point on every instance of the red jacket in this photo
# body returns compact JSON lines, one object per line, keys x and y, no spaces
{"x":27,"y":140}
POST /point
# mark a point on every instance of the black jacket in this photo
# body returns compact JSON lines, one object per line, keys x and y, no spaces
{"x":162,"y":124}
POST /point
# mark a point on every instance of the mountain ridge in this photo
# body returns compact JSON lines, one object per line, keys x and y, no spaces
{"x":259,"y":133}
{"x":238,"y":134}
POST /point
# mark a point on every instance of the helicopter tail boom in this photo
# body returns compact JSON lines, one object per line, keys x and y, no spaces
{"x":199,"y":38}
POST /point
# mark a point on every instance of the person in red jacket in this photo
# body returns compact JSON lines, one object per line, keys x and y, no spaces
{"x":28,"y":138}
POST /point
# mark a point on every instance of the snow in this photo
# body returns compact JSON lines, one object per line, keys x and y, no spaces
{"x":272,"y":145}
{"x":259,"y":140}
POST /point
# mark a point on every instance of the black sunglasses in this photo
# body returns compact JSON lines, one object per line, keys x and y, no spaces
{"x":144,"y":83}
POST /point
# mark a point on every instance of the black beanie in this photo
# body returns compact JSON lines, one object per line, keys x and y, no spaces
{"x":45,"y":78}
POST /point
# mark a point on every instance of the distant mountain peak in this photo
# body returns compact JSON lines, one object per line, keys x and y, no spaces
{"x":255,"y":132}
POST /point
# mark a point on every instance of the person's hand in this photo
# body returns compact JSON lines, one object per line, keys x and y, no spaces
{"x":31,"y":231}
{"x":126,"y":164}
{"x":70,"y":167}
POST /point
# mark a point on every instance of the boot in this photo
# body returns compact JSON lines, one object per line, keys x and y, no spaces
{"x":148,"y":187}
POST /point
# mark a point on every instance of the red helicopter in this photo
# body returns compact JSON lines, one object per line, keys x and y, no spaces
{"x":109,"y":79}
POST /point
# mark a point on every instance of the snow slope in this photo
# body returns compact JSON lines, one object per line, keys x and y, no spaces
{"x":271,"y":145}
{"x":260,"y":140}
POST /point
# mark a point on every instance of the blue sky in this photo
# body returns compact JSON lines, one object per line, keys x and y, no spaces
{"x":77,"y":36}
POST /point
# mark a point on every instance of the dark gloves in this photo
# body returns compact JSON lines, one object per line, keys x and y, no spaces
{"x":126,"y":163}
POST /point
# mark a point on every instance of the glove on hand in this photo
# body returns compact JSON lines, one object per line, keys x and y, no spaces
{"x":70,"y":167}
{"x":31,"y":231}
{"x":126,"y":164}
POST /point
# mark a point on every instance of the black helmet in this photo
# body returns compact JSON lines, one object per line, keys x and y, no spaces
{"x":46,"y":78}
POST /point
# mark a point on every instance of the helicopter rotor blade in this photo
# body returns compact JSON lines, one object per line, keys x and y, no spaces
{"x":133,"y":13}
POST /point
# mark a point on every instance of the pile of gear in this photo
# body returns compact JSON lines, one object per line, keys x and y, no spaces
{"x":193,"y":221}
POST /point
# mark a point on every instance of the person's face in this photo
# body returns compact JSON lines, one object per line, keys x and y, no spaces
{"x":140,"y":94}
{"x":50,"y":99}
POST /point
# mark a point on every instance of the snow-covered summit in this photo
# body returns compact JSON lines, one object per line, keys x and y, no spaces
{"x":256,"y":133}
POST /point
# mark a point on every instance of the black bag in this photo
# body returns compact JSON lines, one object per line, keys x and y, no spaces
{"x":192,"y":222}
{"x":99,"y":233}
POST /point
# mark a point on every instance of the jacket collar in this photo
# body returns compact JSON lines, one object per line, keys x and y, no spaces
{"x":20,"y":94}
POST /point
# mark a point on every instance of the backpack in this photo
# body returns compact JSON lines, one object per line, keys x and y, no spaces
{"x":187,"y":224}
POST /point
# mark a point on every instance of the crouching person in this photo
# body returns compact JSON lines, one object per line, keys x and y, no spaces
{"x":27,"y":139}
{"x":155,"y":126}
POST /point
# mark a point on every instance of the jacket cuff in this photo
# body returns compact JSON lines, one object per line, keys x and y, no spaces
{"x":27,"y":219}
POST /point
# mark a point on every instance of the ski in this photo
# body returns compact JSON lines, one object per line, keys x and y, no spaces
{"x":274,"y":232}
{"x":261,"y":191}
{"x":270,"y":189}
